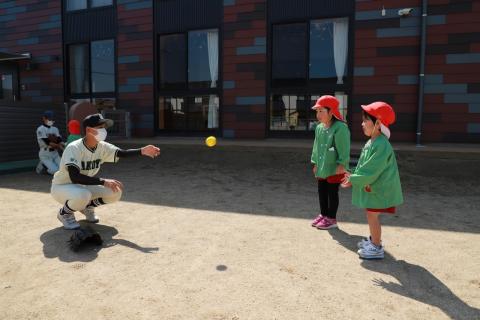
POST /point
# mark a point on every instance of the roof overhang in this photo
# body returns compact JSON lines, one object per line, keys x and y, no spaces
{"x":4,"y":56}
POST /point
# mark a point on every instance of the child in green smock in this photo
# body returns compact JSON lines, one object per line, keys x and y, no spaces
{"x":74,"y":130}
{"x":375,"y":181}
{"x":330,"y":159}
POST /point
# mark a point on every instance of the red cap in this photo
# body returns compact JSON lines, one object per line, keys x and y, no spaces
{"x":329,"y":102}
{"x":382,"y":111}
{"x":74,"y":127}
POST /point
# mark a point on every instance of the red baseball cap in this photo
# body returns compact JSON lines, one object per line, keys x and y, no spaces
{"x":383,"y":112}
{"x":74,"y":127}
{"x":330,"y":102}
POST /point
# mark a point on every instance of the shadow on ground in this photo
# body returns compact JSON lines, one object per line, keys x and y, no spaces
{"x":55,"y":244}
{"x":279,"y":182}
{"x":414,"y":281}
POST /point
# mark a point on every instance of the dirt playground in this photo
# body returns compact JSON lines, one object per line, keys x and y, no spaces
{"x":224,"y":233}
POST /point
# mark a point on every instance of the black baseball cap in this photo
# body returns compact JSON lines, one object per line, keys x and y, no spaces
{"x":95,"y":120}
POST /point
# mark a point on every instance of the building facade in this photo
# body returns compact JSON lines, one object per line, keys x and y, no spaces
{"x":249,"y":68}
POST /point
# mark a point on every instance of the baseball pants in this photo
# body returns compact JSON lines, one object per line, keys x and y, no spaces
{"x":79,"y":196}
{"x":50,"y":159}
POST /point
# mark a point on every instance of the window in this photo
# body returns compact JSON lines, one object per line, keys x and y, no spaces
{"x":6,"y":87}
{"x":91,"y":69}
{"x":328,"y":49}
{"x":289,"y":55}
{"x":100,"y":3}
{"x":172,"y":61}
{"x":74,"y":5}
{"x":103,"y":66}
{"x":203,"y":59}
{"x":193,"y":113}
{"x":326,"y":61}
{"x":188,"y":81}
{"x":309,"y":59}
{"x":294,"y":112}
{"x":79,"y":68}
{"x":201,"y":68}
{"x":173,"y":115}
{"x":291,"y":112}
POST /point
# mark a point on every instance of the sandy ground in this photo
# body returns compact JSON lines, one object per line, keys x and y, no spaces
{"x":225,"y":233}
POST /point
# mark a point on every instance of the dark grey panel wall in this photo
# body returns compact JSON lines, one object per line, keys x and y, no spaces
{"x":18,"y":125}
{"x":90,"y":25}
{"x":284,"y":10}
{"x":182,"y":15}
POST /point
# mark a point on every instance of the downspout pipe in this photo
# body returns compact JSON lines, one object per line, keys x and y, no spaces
{"x":421,"y":78}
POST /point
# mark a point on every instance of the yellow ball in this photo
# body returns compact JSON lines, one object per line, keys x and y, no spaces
{"x":211,"y":141}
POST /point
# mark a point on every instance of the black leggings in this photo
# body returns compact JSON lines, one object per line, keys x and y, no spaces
{"x":328,"y":197}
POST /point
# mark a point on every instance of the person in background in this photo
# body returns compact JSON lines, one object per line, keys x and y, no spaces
{"x":49,"y":143}
{"x":74,"y":130}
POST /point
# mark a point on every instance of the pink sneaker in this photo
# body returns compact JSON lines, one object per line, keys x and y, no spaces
{"x":327,"y":223}
{"x":317,"y":220}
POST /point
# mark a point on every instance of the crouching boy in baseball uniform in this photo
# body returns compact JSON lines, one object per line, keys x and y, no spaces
{"x":75,"y":185}
{"x":49,"y":142}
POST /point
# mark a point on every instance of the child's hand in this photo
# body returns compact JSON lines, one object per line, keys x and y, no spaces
{"x":314,"y":170}
{"x":368,"y":188}
{"x":347,"y":184}
{"x":345,"y":181}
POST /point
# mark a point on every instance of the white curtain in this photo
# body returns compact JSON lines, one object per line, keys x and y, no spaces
{"x":340,"y":47}
{"x":212,"y":42}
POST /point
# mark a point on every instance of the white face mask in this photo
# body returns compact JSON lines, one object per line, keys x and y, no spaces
{"x":50,"y":123}
{"x":101,"y":134}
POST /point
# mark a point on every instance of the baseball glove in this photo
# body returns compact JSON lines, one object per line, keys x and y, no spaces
{"x":57,"y":142}
{"x":84,"y":236}
{"x":53,"y":138}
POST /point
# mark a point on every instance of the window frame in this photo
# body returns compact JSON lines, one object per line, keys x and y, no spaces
{"x":311,"y":88}
{"x":88,"y":8}
{"x":186,"y":92}
{"x":90,"y":95}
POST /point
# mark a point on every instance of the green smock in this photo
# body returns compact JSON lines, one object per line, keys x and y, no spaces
{"x":331,"y":148}
{"x":72,"y":138}
{"x":377,"y":168}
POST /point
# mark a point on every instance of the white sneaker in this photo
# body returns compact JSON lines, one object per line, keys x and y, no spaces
{"x":89,"y":213}
{"x":363,"y":242}
{"x":371,"y":251}
{"x":68,"y":220}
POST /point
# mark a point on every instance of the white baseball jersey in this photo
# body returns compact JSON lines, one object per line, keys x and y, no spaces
{"x":43,"y":132}
{"x":88,"y":161}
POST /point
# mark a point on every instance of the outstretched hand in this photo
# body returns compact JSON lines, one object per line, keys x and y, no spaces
{"x":345,"y":181}
{"x":150,"y":151}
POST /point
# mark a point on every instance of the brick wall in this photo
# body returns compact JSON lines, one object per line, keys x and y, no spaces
{"x":135,"y":63}
{"x":34,"y":26}
{"x":244,"y":69}
{"x":387,"y":50}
